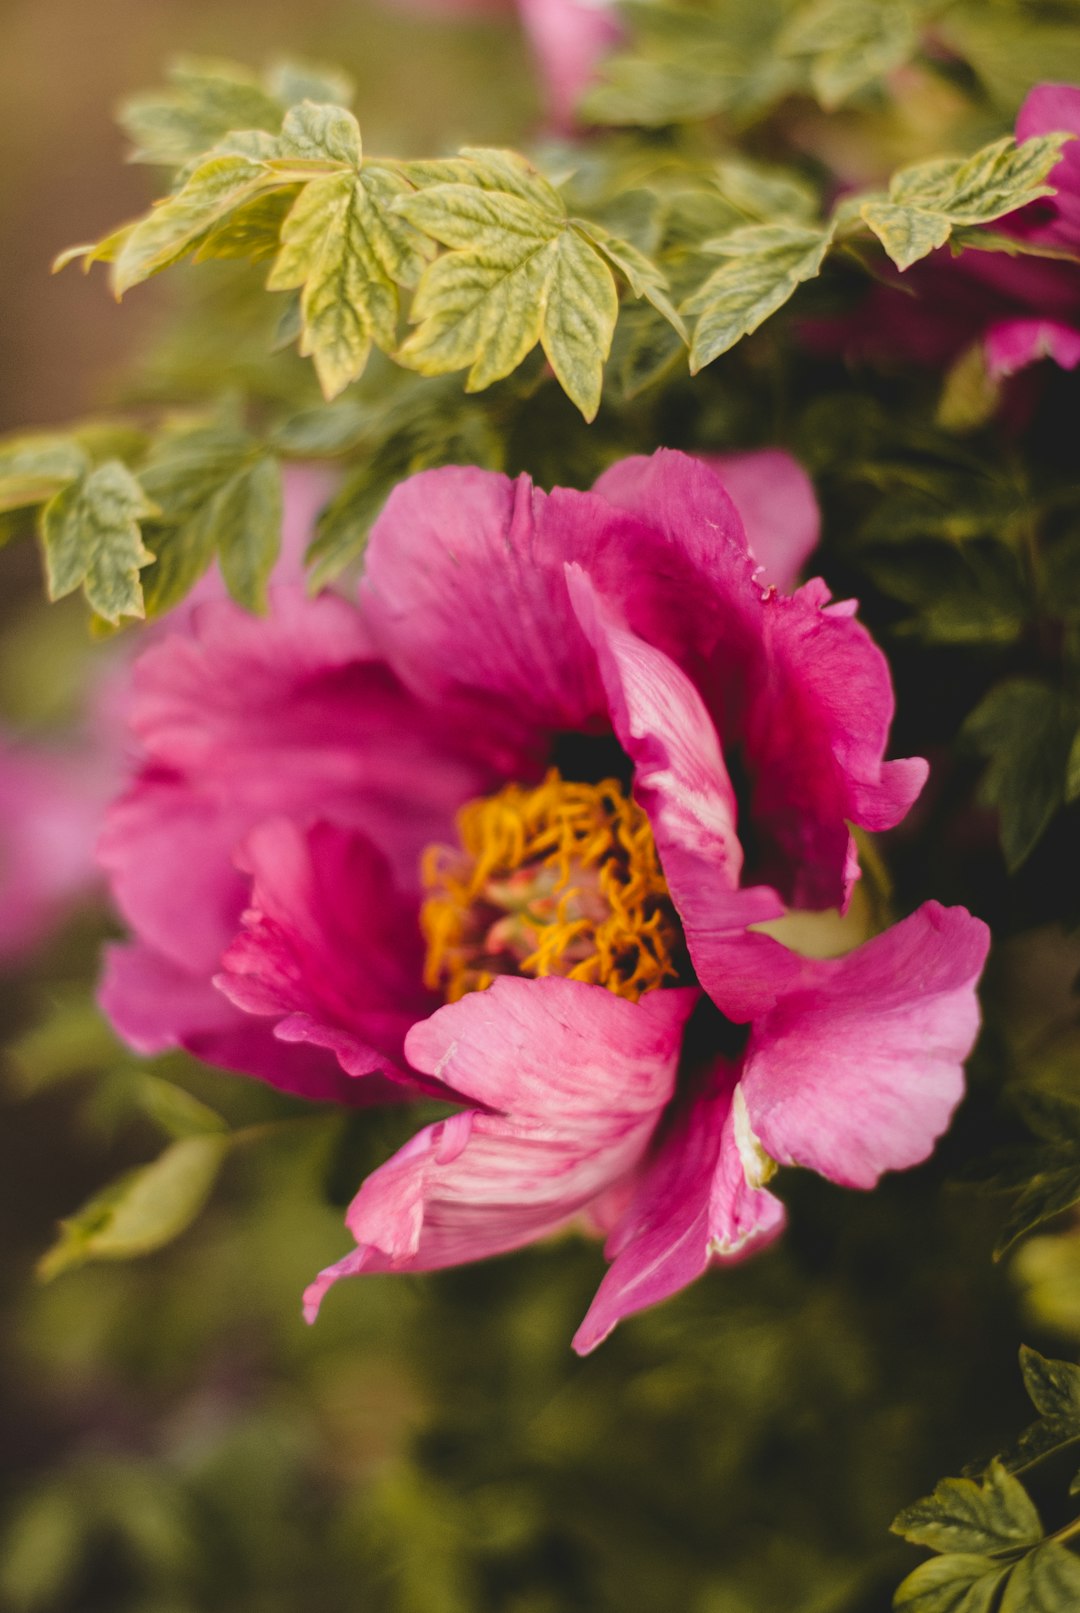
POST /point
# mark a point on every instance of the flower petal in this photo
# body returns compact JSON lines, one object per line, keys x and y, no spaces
{"x":693,"y":1204}
{"x":1048,"y":109}
{"x":247,"y":718}
{"x":155,"y":1005}
{"x":463,"y":588}
{"x":681,"y":781}
{"x":328,"y":946}
{"x":583,"y":1075}
{"x":775,"y":498}
{"x":858,"y":1068}
{"x":1013,"y":344}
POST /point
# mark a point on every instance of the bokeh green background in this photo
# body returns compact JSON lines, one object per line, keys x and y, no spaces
{"x":172,"y":1438}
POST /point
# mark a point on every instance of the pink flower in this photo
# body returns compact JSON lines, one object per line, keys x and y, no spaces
{"x":50,"y":806}
{"x":1021,"y":309}
{"x":350,"y":815}
{"x":568,"y":40}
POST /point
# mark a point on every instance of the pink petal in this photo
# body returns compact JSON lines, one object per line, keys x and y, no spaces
{"x":1013,"y":344}
{"x":1053,"y":221}
{"x":681,"y":781}
{"x":693,"y":1205}
{"x":247,"y":718}
{"x":583,"y":1076}
{"x":157,"y":1005}
{"x":328,"y":947}
{"x":463,"y":589}
{"x":794,"y":684}
{"x":857,"y":1069}
{"x":569,"y":39}
{"x":775,"y":498}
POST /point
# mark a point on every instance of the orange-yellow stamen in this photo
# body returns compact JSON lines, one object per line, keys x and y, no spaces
{"x":562,"y":879}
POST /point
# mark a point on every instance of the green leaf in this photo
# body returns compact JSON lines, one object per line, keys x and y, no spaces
{"x":953,"y":1584}
{"x":347,"y":250}
{"x":765,"y":263}
{"x":35,"y":467}
{"x":216,"y":188}
{"x":144,"y":1209}
{"x":290,"y":82}
{"x":1045,"y":1581}
{"x":970,"y":395}
{"x":91,"y":537}
{"x":906,"y":233}
{"x":517,"y":272}
{"x":850,"y":44}
{"x":316,"y":132}
{"x":1072,"y":770}
{"x":926,"y":201}
{"x":176,"y":1111}
{"x":1025,"y":728}
{"x":965,"y":1516}
{"x":219,"y":493}
{"x":1054,"y":1387}
{"x":209,"y":100}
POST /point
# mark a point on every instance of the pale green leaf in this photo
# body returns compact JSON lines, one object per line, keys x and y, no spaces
{"x":765,"y":193}
{"x":215,"y":189}
{"x":327,"y":131}
{"x":643,"y":276}
{"x":146,"y":1209}
{"x":347,"y":251}
{"x":906,"y":233}
{"x":963,"y":1515}
{"x":208,"y":100}
{"x":175,"y":1110}
{"x":34,"y":467}
{"x":516,"y":273}
{"x":1045,"y":1581}
{"x":850,"y":44}
{"x":90,"y":533}
{"x":292,"y":81}
{"x":245,"y":519}
{"x":580,"y":311}
{"x":953,"y":1584}
{"x":765,"y":263}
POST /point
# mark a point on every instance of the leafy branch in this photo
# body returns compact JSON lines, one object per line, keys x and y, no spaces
{"x":994,"y":1550}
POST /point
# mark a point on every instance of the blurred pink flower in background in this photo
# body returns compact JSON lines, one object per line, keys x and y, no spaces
{"x":51,"y":802}
{"x":349,"y":814}
{"x":568,"y":40}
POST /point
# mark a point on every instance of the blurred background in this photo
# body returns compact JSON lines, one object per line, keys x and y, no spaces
{"x":172,"y":1438}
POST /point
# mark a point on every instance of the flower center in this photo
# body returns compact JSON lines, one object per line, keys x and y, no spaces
{"x":562,"y":879}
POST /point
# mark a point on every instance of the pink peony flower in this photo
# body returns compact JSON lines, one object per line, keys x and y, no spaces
{"x":1021,"y":309}
{"x":506,"y":831}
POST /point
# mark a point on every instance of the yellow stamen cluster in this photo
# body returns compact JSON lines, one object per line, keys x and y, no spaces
{"x":562,"y":879}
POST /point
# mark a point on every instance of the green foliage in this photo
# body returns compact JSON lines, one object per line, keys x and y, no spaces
{"x":995,"y":1551}
{"x":928,"y":201}
{"x":91,"y":538}
{"x":216,"y":491}
{"x":143,"y":1210}
{"x":763,"y":266}
{"x":1025,"y":728}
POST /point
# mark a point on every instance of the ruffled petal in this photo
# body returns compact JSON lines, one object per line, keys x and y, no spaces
{"x":463,"y":589}
{"x":798,"y":690}
{"x":858,"y":1068}
{"x":156,"y":1005}
{"x":247,"y":718}
{"x":693,"y":1205}
{"x":1013,"y":344}
{"x":583,"y":1076}
{"x":329,"y":948}
{"x":682,"y":783}
{"x":775,"y":498}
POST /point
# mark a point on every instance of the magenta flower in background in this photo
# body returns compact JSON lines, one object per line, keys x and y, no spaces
{"x":1021,"y":309}
{"x":51,"y":803}
{"x":507,"y":829}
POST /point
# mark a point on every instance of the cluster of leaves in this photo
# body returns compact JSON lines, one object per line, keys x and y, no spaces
{"x":994,"y":1549}
{"x":740,"y":59}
